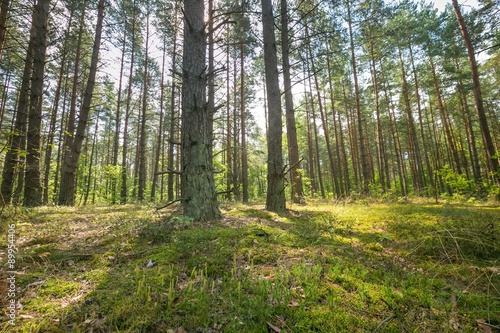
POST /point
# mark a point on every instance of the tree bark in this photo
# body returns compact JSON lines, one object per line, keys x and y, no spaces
{"x":116,"y":140}
{"x":275,"y":200}
{"x":244,"y":152}
{"x":199,"y":198}
{"x":173,"y":118}
{"x":493,"y":160}
{"x":18,"y":137}
{"x":160,"y":125}
{"x":53,"y":118}
{"x":363,"y":153}
{"x":291,"y":129}
{"x":4,"y":8}
{"x":70,"y":164}
{"x":142,"y":140}
{"x":32,"y":185}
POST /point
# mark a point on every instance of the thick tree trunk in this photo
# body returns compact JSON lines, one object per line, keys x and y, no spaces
{"x":275,"y":200}
{"x":291,"y":129}
{"x":32,"y":185}
{"x":199,"y":198}
{"x":70,"y":164}
{"x":70,"y":126}
{"x":493,"y":160}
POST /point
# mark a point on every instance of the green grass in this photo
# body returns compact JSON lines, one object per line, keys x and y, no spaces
{"x":324,"y":267}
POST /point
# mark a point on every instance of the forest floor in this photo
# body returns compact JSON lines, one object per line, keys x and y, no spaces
{"x":323,"y":267}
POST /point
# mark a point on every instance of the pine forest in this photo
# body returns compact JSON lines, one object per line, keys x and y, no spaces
{"x":266,"y":126}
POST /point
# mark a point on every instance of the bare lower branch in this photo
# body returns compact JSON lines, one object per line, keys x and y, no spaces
{"x":170,"y":203}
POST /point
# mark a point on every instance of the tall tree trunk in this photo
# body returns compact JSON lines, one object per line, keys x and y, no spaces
{"x":116,"y":141}
{"x":160,"y":125}
{"x":199,"y":198}
{"x":322,"y":116}
{"x":310,"y":149}
{"x":124,"y":171}
{"x":91,"y":160}
{"x":315,"y":132}
{"x":142,"y":140}
{"x":363,"y":153}
{"x":380,"y":138}
{"x":236,"y":136}
{"x":71,"y":121}
{"x":70,"y":165}
{"x":493,"y":160}
{"x":32,"y":185}
{"x":401,"y":169}
{"x":351,"y":133}
{"x":414,"y":147}
{"x":338,"y":149}
{"x":471,"y":137}
{"x":229,"y":148}
{"x":173,"y":119}
{"x":420,"y":120}
{"x":53,"y":118}
{"x":291,"y":129}
{"x":18,"y":138}
{"x":244,"y":152}
{"x":275,"y":200}
{"x":456,"y":166}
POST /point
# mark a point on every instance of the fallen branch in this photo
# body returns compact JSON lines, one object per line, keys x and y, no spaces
{"x":386,"y":320}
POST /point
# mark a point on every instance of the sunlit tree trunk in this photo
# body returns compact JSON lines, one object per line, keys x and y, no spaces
{"x":70,"y":165}
{"x":493,"y":160}
{"x":118,"y":115}
{"x":275,"y":200}
{"x":291,"y":130}
{"x":124,"y":170}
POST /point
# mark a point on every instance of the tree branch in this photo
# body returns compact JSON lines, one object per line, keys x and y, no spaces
{"x":170,"y":203}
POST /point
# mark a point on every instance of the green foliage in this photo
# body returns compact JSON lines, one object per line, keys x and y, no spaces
{"x":458,"y":182}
